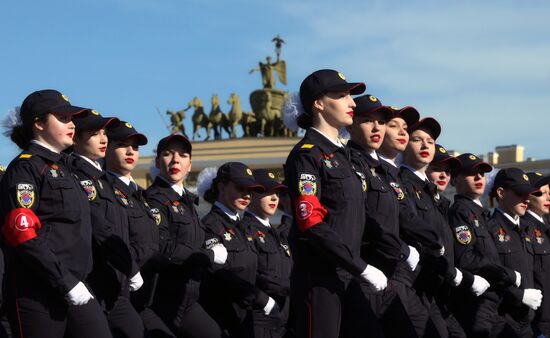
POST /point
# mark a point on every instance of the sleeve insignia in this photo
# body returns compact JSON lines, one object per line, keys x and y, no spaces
{"x":89,"y":188}
{"x":463,"y":235}
{"x":307,"y":184}
{"x":25,"y":194}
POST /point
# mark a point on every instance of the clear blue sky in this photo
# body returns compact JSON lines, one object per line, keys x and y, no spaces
{"x":480,"y":67}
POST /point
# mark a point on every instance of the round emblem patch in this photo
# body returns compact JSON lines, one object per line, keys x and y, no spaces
{"x":373,"y":98}
{"x":305,"y":209}
{"x":128,"y":125}
{"x":249,"y":172}
{"x":342,"y":76}
{"x":65,"y":97}
{"x":94,"y":112}
{"x":472,"y":157}
{"x":525,"y":177}
{"x":271,"y":175}
{"x":442,"y":150}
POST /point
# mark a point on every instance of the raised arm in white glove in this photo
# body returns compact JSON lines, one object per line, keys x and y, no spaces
{"x":414,"y":258}
{"x":79,"y":295}
{"x":480,"y":285}
{"x":532,"y":298}
{"x":375,"y":277}
{"x":220,"y":253}
{"x":270,"y":306}
{"x":458,"y":277}
{"x":136,"y":282}
{"x":518,"y":279}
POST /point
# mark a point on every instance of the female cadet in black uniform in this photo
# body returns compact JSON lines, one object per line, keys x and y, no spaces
{"x":538,"y":230}
{"x":413,"y":230}
{"x":511,"y":189}
{"x":181,"y":241}
{"x":274,"y":259}
{"x":437,"y":268}
{"x":121,"y":158}
{"x":229,"y":293}
{"x":47,"y":228}
{"x":328,"y":199}
{"x":476,"y":253}
{"x":115,"y":272}
{"x":382,"y":245}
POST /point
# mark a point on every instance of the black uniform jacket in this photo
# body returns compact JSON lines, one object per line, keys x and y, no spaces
{"x":60,"y":254}
{"x":144,"y":222}
{"x":327,"y":195}
{"x":540,"y":239}
{"x":113,"y":263}
{"x":229,"y":292}
{"x":427,"y":204}
{"x":382,"y":245}
{"x":515,"y":251}
{"x":475,"y":250}
{"x":181,"y":245}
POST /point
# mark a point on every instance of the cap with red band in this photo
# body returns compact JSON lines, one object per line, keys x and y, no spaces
{"x":20,"y":226}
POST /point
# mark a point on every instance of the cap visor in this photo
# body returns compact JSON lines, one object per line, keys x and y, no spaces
{"x":484,"y":166}
{"x":386,"y":111}
{"x":409,"y":114}
{"x":453,"y":162}
{"x":68,"y":110}
{"x":275,"y":187}
{"x":140,"y":138}
{"x":524,"y":189}
{"x":353,"y":88}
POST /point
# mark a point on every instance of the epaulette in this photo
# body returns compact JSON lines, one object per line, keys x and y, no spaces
{"x":25,"y":156}
{"x":2,"y":168}
{"x":307,"y":146}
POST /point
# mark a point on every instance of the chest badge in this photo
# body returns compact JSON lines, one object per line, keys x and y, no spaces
{"x":397,"y":190}
{"x":363,"y":180}
{"x":121,"y":197}
{"x":502,"y":236}
{"x":538,"y":236}
{"x":286,"y":249}
{"x":329,"y":161}
{"x":155,"y":213}
{"x":261,"y":236}
{"x":55,"y":171}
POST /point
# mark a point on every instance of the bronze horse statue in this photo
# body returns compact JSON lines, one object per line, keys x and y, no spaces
{"x":176,"y":121}
{"x":217,"y":119}
{"x":235,"y":117}
{"x":199,"y":118}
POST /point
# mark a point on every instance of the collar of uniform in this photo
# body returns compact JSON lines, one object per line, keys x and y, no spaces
{"x":374,"y":155}
{"x":128,"y":181}
{"x":45,"y":146}
{"x":335,"y":142}
{"x":419,"y":174}
{"x":87,"y":167}
{"x":228,"y":212}
{"x":313,"y":136}
{"x":166,"y":189}
{"x":43,"y":151}
{"x":92,"y":162}
{"x":537,"y":217}
{"x":515,"y":220}
{"x":264,"y":222}
{"x":371,"y":161}
{"x":475,"y":202}
{"x":391,"y":162}
{"x":176,"y":187}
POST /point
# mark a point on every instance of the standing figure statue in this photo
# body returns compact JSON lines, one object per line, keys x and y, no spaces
{"x":278,"y":44}
{"x":267,"y":69}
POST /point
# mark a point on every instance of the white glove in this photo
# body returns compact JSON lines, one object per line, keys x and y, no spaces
{"x":480,"y":285}
{"x":79,"y":295}
{"x":458,"y":277}
{"x":532,"y":298}
{"x":270,"y":306}
{"x":136,"y":282}
{"x":375,"y":277}
{"x":220,"y":253}
{"x":414,"y":258}
{"x":518,"y":279}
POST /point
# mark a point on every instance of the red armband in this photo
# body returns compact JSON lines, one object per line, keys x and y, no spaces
{"x":20,"y":226}
{"x":309,"y":212}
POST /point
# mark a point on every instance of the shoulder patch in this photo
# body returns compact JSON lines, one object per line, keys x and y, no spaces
{"x":463,"y":234}
{"x":25,"y":194}
{"x":307,"y":146}
{"x":89,"y":188}
{"x":25,"y":156}
{"x":307,"y":184}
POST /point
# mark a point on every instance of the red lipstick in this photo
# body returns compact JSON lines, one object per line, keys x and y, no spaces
{"x":129,"y":160}
{"x":424,"y":154}
{"x":401,"y":140}
{"x":174,"y":171}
